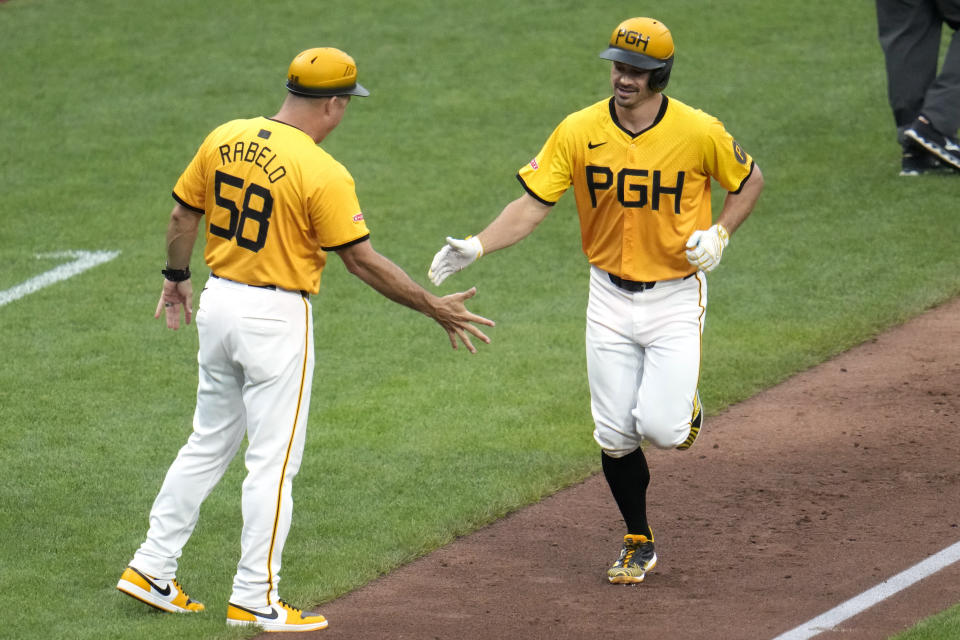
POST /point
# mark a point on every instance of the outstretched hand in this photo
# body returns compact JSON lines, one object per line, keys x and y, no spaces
{"x":452,"y":314}
{"x":454,"y":256}
{"x":174,"y":295}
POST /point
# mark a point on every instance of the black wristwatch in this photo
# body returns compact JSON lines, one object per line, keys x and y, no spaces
{"x":176,"y":275}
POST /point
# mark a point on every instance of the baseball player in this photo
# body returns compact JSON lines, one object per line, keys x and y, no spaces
{"x":273,"y":205}
{"x":640,"y":164}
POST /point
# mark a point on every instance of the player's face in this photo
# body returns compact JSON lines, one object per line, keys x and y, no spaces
{"x":631,"y":86}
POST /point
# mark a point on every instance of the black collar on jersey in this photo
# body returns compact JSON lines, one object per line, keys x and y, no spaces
{"x":286,"y":123}
{"x":616,"y":121}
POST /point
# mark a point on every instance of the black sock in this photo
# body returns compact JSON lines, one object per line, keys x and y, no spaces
{"x":628,"y":478}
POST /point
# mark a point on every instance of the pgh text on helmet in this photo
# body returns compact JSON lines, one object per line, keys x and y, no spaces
{"x":643,"y":43}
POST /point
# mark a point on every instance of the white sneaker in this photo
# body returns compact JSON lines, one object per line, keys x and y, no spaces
{"x":165,"y":595}
{"x":277,"y":617}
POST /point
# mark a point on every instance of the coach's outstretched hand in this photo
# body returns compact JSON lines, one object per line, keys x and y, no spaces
{"x":454,"y":256}
{"x":382,"y":274}
{"x":453,"y":315}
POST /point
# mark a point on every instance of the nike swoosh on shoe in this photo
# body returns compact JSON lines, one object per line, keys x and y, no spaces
{"x":273,"y":615}
{"x":153,"y":585}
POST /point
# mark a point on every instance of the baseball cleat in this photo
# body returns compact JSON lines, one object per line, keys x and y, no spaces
{"x":165,"y":595}
{"x":637,"y":557}
{"x":276,"y":617}
{"x":943,"y":147}
{"x":695,"y":423}
{"x":915,"y":161}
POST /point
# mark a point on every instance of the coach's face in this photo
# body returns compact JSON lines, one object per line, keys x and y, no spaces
{"x":631,"y":86}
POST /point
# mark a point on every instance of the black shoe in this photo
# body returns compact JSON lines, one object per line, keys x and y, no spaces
{"x":933,"y":142}
{"x":916,"y":161}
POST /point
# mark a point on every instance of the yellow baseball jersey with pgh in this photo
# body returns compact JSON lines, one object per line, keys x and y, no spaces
{"x":639,"y":196}
{"x":274,"y":201}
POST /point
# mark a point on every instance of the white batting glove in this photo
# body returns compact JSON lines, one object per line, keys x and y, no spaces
{"x":455,"y":255}
{"x":704,"y":248}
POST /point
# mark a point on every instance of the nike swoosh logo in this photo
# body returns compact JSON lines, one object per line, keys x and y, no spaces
{"x":273,"y":615}
{"x":153,"y":585}
{"x":590,"y":145}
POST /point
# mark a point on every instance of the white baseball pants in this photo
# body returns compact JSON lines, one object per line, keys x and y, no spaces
{"x":256,"y":370}
{"x":643,"y":360}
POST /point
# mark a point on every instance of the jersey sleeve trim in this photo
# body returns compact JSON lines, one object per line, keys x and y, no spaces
{"x":535,"y":196}
{"x":750,"y":173}
{"x":187,"y":204}
{"x":348,"y":244}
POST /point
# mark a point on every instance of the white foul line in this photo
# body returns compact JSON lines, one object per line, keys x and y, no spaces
{"x":867,"y":599}
{"x":82,"y":260}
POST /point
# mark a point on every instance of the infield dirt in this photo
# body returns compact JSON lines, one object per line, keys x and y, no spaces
{"x":789,"y":504}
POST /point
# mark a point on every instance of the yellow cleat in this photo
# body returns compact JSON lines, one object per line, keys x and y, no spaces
{"x":695,"y":423}
{"x":637,"y":557}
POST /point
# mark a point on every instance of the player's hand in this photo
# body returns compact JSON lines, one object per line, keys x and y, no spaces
{"x":173,"y":296}
{"x":455,"y":255}
{"x":704,"y":248}
{"x":452,"y":314}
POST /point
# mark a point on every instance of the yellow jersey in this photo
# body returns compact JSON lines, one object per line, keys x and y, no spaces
{"x":639,"y":196}
{"x":274,"y":202}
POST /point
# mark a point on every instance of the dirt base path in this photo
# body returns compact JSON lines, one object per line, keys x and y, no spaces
{"x":789,"y":504}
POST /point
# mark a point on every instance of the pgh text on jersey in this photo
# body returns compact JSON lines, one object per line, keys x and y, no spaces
{"x":601,"y":179}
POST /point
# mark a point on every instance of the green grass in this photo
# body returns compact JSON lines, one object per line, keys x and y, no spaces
{"x":104,"y":102}
{"x":944,"y":626}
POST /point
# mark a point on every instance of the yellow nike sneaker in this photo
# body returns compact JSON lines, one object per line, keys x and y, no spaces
{"x":277,"y":617}
{"x":166,"y":595}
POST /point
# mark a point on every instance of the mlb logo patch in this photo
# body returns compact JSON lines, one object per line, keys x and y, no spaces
{"x":358,"y":217}
{"x":533,"y":163}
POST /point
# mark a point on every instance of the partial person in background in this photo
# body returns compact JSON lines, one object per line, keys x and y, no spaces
{"x":274,"y":204}
{"x":925,"y":103}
